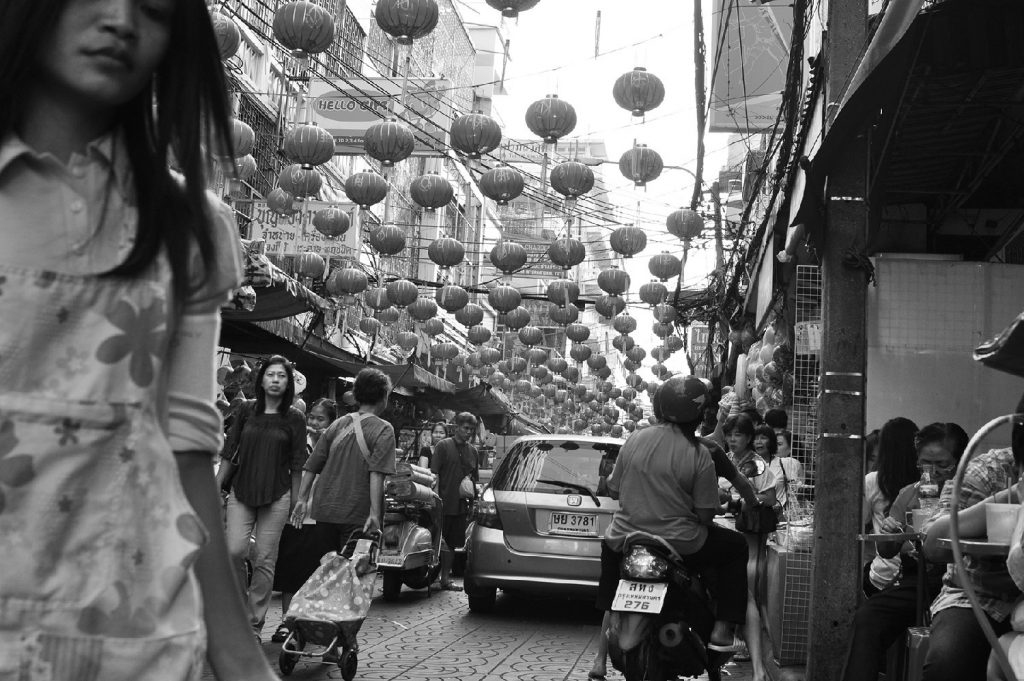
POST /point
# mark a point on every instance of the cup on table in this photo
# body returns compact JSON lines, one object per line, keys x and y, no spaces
{"x":917,"y":517}
{"x":1000,"y":520}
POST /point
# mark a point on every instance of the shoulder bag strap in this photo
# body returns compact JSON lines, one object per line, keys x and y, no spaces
{"x":360,"y":438}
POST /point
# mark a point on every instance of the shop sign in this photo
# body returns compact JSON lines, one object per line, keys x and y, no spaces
{"x":349,"y":110}
{"x":296,"y":234}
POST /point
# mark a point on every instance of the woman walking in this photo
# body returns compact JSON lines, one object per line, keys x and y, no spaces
{"x":268,"y":442}
{"x":437,"y":433}
{"x":113,"y":563}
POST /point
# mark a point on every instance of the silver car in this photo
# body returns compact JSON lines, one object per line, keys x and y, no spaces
{"x":537,"y":527}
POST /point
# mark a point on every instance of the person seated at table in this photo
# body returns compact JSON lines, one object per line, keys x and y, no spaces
{"x":897,"y":468}
{"x":882,"y":619}
{"x":958,"y":648}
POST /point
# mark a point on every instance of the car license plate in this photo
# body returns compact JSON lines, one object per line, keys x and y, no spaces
{"x":643,"y":597}
{"x":389,"y":560}
{"x":580,"y":524}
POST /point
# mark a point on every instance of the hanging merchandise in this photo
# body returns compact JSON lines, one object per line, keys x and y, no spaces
{"x":406,"y":20}
{"x":641,"y":164}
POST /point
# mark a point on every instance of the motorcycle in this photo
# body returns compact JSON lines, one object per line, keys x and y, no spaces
{"x":410,"y":549}
{"x":662,"y":616}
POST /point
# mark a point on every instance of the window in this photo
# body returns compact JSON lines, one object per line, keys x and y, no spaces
{"x":564,"y":461}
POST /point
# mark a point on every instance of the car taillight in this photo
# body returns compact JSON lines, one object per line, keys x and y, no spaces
{"x":486,"y":513}
{"x":640,"y":563}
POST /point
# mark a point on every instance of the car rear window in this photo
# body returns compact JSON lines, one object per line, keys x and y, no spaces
{"x":565,"y":461}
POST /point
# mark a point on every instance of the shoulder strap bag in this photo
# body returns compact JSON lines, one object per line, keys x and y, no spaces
{"x":229,"y":466}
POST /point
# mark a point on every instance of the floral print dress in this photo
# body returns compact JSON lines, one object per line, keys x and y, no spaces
{"x":97,"y":538}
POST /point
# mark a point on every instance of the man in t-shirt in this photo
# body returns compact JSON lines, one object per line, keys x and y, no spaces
{"x":352,"y":458}
{"x":454,"y":459}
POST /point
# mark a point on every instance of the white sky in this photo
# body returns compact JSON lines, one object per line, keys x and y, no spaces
{"x":552,"y":52}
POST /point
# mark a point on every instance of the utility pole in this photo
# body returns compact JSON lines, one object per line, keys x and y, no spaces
{"x":835,"y":571}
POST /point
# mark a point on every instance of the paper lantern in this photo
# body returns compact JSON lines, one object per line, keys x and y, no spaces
{"x":628,"y":241}
{"x":406,"y":20}
{"x":557,"y":365}
{"x":388,"y":315}
{"x":243,"y":139}
{"x":572,"y":179}
{"x":504,"y":298}
{"x":567,"y":252}
{"x":540,"y":373}
{"x":377,"y":299}
{"x":623,"y":343}
{"x":451,"y":297}
{"x":501,"y":184}
{"x":536,"y":356}
{"x":370,"y":326}
{"x":563,"y":292}
{"x":310,"y":264}
{"x":577,"y":333}
{"x":407,"y":340}
{"x":613,"y":281}
{"x":653,"y":292}
{"x":446,"y":252}
{"x":684,"y":223}
{"x":563,"y":315}
{"x":388,"y":240}
{"x":673,"y":343}
{"x":597,"y":362}
{"x":402,"y":292}
{"x":609,"y":306}
{"x":641,"y":164}
{"x":303,"y":28}
{"x":624,"y":323}
{"x":331,"y":222}
{"x":664,"y":313}
{"x":346,"y":281}
{"x":508,"y":256}
{"x":389,"y":142}
{"x":517,"y":318}
{"x":229,"y":38}
{"x":245,"y":167}
{"x":638,"y":91}
{"x":550,"y":118}
{"x":490,"y":355}
{"x":431,"y":191}
{"x":433,"y":326}
{"x":366,"y":188}
{"x":664,"y":265}
{"x":629,"y":364}
{"x":422,"y":309}
{"x":308,"y":145}
{"x":281,"y":202}
{"x":662,"y":330}
{"x":300,"y":182}
{"x":660,"y":353}
{"x":478,"y":335}
{"x":580,"y":353}
{"x":530,"y":336}
{"x":475,"y":134}
{"x":512,"y":8}
{"x":470,"y":315}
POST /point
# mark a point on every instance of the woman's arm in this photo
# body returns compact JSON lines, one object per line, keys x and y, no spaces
{"x":232,"y":651}
{"x":971,"y":524}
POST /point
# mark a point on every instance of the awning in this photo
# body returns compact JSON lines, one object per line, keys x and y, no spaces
{"x":283,"y":337}
{"x":411,"y":376}
{"x":492,"y":407}
{"x":277,"y":294}
{"x":1005,"y":352}
{"x":862,"y":92}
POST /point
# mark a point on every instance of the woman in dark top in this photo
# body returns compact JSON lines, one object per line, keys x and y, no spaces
{"x":437,"y":433}
{"x":269,"y":436}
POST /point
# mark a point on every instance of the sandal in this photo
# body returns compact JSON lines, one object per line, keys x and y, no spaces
{"x":281,"y":635}
{"x":734,"y":647}
{"x":449,"y":586}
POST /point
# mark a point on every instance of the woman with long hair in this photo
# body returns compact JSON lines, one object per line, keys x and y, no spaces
{"x":268,"y":443}
{"x":114,"y":268}
{"x":437,"y":433}
{"x":896,"y":468}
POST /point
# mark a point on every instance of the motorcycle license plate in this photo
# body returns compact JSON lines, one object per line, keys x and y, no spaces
{"x":389,"y":560}
{"x":645,"y":597}
{"x":578,"y":524}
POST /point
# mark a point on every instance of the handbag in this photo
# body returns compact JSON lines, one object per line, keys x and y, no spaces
{"x":467,"y":489}
{"x":758,"y":519}
{"x":229,"y":466}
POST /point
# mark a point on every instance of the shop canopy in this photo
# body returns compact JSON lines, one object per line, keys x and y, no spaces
{"x":277,"y":294}
{"x":1005,"y":352}
{"x":492,"y":407}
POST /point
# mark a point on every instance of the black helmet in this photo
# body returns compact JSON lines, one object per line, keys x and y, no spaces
{"x":680,"y":399}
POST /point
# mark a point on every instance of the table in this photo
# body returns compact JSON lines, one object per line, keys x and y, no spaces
{"x":978,"y":547}
{"x":917,"y":538}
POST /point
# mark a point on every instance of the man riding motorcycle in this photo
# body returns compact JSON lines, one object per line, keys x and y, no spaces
{"x":666,"y":484}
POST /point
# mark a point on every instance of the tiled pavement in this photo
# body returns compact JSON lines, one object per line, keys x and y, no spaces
{"x":423,"y":638}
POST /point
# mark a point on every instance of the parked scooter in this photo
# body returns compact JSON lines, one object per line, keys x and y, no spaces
{"x":410,"y":550}
{"x":662,"y":616}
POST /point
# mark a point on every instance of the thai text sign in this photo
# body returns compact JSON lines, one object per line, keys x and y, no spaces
{"x":349,"y":110}
{"x":296,"y":234}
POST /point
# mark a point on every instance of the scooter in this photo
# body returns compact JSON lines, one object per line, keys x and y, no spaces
{"x":410,"y":549}
{"x":662,"y":616}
